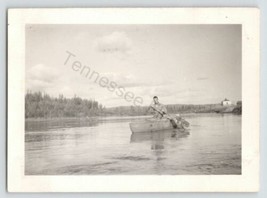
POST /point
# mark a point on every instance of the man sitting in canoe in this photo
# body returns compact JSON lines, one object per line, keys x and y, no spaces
{"x":158,"y":108}
{"x":160,"y":112}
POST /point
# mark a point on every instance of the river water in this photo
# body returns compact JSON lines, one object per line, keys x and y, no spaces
{"x":107,"y":147}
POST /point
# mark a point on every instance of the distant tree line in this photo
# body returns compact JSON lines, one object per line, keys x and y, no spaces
{"x":238,"y":108}
{"x":172,"y":109}
{"x":41,"y":105}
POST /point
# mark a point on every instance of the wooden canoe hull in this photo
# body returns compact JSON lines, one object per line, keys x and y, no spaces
{"x":151,"y":126}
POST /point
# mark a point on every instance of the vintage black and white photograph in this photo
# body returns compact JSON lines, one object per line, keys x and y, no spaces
{"x":133,"y":100}
{"x":165,"y":100}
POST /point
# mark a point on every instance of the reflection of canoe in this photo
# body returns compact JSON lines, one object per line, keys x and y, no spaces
{"x":159,"y":136}
{"x":153,"y":125}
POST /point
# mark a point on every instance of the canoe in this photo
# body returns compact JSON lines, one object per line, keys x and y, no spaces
{"x":153,"y":125}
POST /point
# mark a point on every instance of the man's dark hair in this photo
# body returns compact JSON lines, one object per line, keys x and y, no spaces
{"x":155,"y":97}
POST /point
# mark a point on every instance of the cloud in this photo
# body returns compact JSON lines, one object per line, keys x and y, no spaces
{"x":37,"y":85}
{"x":40,"y":77}
{"x":114,"y":43}
{"x":42,"y":72}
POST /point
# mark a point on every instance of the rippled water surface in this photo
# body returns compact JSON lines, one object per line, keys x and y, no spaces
{"x":107,"y":146}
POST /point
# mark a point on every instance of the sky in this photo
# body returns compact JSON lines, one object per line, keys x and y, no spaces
{"x":181,"y":64}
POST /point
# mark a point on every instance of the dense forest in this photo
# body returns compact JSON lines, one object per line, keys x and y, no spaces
{"x":41,"y":105}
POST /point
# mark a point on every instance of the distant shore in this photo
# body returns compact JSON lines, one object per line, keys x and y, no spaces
{"x":95,"y":118}
{"x":41,"y":106}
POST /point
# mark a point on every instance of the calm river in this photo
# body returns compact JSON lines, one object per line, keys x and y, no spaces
{"x":107,"y":146}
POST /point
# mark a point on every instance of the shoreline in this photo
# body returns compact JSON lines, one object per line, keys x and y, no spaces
{"x":61,"y":118}
{"x":94,"y":118}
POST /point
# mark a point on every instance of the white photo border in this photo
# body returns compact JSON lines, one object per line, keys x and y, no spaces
{"x":248,"y":181}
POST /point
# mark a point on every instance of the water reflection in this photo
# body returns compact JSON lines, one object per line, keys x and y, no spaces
{"x":45,"y":125}
{"x":157,"y":138}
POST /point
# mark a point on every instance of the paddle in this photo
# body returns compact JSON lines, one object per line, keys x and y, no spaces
{"x":167,"y":116}
{"x":172,"y":119}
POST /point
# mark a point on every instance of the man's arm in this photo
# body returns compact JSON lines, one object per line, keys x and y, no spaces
{"x":159,"y":110}
{"x":163,"y":109}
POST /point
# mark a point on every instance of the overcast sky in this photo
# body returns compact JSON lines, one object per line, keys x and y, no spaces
{"x":181,"y":64}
